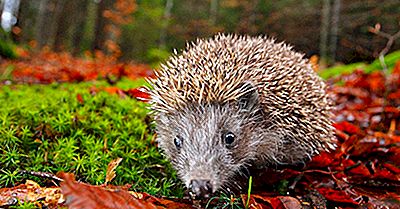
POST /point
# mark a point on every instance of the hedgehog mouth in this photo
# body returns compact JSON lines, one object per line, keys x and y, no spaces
{"x":214,"y":181}
{"x":203,"y":191}
{"x":215,"y":185}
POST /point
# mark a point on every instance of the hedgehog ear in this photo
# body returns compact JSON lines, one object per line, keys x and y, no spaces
{"x":249,"y":99}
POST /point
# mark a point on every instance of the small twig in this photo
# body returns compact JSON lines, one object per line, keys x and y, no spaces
{"x":42,"y":175}
{"x":320,"y":171}
{"x":391,"y":38}
{"x":296,"y":180}
{"x":390,"y":41}
{"x":337,"y":181}
{"x":299,"y":177}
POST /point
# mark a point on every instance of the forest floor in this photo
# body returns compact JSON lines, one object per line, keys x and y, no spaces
{"x":67,"y":124}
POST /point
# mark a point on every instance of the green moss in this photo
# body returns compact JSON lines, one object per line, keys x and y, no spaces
{"x":45,"y":128}
{"x":7,"y":49}
{"x":340,"y":69}
{"x":24,"y":205}
{"x":390,"y":60}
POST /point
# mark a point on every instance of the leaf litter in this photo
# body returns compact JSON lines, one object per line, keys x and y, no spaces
{"x":364,"y":170}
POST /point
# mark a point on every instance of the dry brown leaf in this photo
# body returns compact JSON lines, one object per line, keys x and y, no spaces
{"x":110,"y":175}
{"x":30,"y":192}
{"x":80,"y":195}
{"x":281,"y":202}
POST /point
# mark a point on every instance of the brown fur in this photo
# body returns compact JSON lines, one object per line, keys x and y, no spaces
{"x":262,"y":91}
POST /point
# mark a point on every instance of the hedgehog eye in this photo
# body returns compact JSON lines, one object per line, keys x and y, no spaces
{"x":228,"y":138}
{"x":178,"y":142}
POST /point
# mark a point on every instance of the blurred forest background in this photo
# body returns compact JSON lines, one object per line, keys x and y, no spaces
{"x":148,"y":30}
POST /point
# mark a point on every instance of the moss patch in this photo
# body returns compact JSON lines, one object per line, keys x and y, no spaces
{"x":47,"y":128}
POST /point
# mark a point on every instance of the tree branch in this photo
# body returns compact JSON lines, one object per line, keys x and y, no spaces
{"x":391,"y":38}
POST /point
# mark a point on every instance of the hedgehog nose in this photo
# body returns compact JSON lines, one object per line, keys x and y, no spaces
{"x":202,"y":188}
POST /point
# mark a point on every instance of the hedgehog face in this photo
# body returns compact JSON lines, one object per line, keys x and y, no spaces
{"x":208,"y":144}
{"x":225,"y":97}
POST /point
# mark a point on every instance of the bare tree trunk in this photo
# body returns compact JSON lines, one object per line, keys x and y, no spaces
{"x":62,"y":23}
{"x":42,"y":29}
{"x":213,"y":11}
{"x":324,"y":30}
{"x":334,"y":29}
{"x":253,"y":17}
{"x":101,"y":22}
{"x":1,"y":7}
{"x":79,"y":22}
{"x":25,"y":21}
{"x":167,"y":15}
{"x":17,"y":35}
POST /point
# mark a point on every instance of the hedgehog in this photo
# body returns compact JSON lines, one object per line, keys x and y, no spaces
{"x":234,"y":101}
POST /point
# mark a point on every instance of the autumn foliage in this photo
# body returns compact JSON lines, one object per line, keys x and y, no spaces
{"x":48,"y":67}
{"x":364,"y":170}
{"x":120,"y":14}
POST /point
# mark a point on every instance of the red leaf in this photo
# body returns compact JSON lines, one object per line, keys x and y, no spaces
{"x":279,"y":202}
{"x":357,"y":92}
{"x":112,"y":90}
{"x":394,"y":155}
{"x":378,"y":110}
{"x":376,"y":82}
{"x":165,"y":203}
{"x":80,"y":98}
{"x":140,"y":94}
{"x":348,"y":144}
{"x":79,"y":195}
{"x":360,"y":170}
{"x":366,"y":145}
{"x":341,"y":135}
{"x":347,"y":127}
{"x":323,"y":160}
{"x":383,"y":173}
{"x":336,"y":196}
{"x":396,"y":69}
{"x":115,"y":90}
{"x":47,"y":67}
{"x":392,"y":168}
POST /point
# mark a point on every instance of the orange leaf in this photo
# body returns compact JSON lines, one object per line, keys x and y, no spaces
{"x":80,"y":99}
{"x":347,"y":127}
{"x":29,"y":192}
{"x":139,"y":94}
{"x":279,"y":202}
{"x":110,"y":174}
{"x":336,"y":196}
{"x":79,"y":195}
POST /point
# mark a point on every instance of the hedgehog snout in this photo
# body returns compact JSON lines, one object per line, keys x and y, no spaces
{"x":201,"y":188}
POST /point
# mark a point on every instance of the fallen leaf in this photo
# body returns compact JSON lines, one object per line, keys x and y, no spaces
{"x":110,"y":174}
{"x":80,"y":99}
{"x":80,"y":195}
{"x":140,"y":94}
{"x":30,"y":192}
{"x":336,"y":195}
{"x":279,"y":202}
